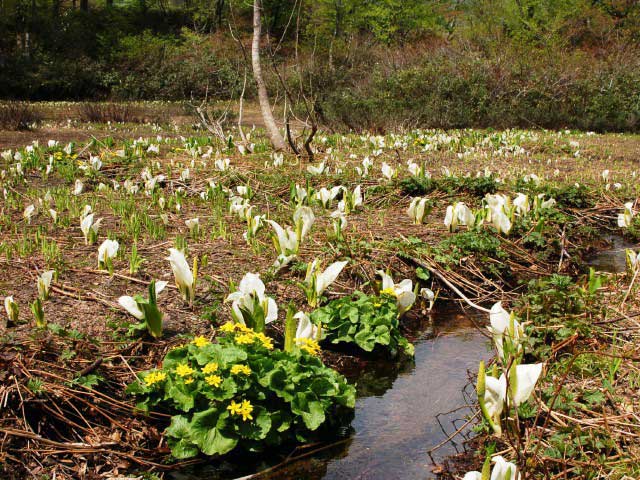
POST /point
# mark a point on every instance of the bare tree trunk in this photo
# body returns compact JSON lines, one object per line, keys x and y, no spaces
{"x":277,"y":141}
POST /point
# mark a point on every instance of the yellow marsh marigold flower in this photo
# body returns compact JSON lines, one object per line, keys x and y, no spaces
{"x":388,"y":291}
{"x":228,"y":327}
{"x":200,"y":341}
{"x":210,"y":368}
{"x":244,"y":328}
{"x":266,"y":341}
{"x":245,"y":339}
{"x":308,"y":345}
{"x":184,"y":370}
{"x":213,"y":380}
{"x":154,"y":377}
{"x":245,"y":408}
{"x":189,"y":380}
{"x":237,"y":369}
{"x":234,"y":407}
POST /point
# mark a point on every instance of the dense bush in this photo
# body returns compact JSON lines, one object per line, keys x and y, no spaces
{"x":365,"y":321}
{"x":242,"y":392}
{"x":448,"y":89}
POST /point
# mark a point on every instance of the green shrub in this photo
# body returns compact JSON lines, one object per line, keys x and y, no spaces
{"x":572,"y":196}
{"x":483,"y":245}
{"x":363,"y":320}
{"x":556,"y":307}
{"x":416,"y":186}
{"x":243,"y":393}
{"x":475,"y":186}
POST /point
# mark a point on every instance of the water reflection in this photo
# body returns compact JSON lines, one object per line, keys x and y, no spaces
{"x":613,"y":259}
{"x":396,"y":416}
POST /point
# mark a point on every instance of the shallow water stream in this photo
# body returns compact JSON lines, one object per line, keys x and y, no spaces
{"x":612,"y":259}
{"x":396,"y":417}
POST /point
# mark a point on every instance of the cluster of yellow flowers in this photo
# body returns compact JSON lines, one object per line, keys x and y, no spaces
{"x":155,"y":377}
{"x":246,"y":336}
{"x":239,"y":368}
{"x":213,"y":380}
{"x":245,"y":408}
{"x":185,"y":371}
{"x":210,"y":367}
{"x":308,"y":345}
{"x":200,"y":341}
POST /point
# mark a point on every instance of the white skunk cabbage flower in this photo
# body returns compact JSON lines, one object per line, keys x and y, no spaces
{"x":254,"y":224}
{"x":339,"y":221}
{"x":11,"y":307}
{"x":131,"y":306}
{"x":285,"y":242}
{"x":351,"y":201}
{"x":501,"y":221}
{"x":541,"y":203}
{"x":28,"y":212}
{"x":184,"y":278}
{"x":78,"y":187}
{"x":415,"y":169}
{"x":521,"y":204}
{"x":403,"y":291}
{"x":193,"y":224}
{"x":303,"y":219}
{"x":317,"y":170}
{"x":496,"y":202}
{"x":305,"y":329}
{"x":525,"y":381}
{"x":315,"y":283}
{"x":458,"y":214}
{"x":429,"y":296}
{"x":388,"y":171}
{"x":502,"y":327}
{"x":95,"y":163}
{"x":366,"y":165}
{"x":239,"y":206}
{"x":325,"y":196}
{"x":44,"y":284}
{"x":89,"y":227}
{"x":278,"y":159}
{"x":475,"y":475}
{"x":494,"y":398}
{"x":625,"y":218}
{"x":299,"y":194}
{"x":417,"y":209}
{"x":250,"y":305}
{"x":222,"y":164}
{"x":633,"y":259}
{"x":605,"y":175}
{"x":106,"y":252}
{"x":502,"y":470}
{"x":521,"y":384}
{"x":244,"y":191}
